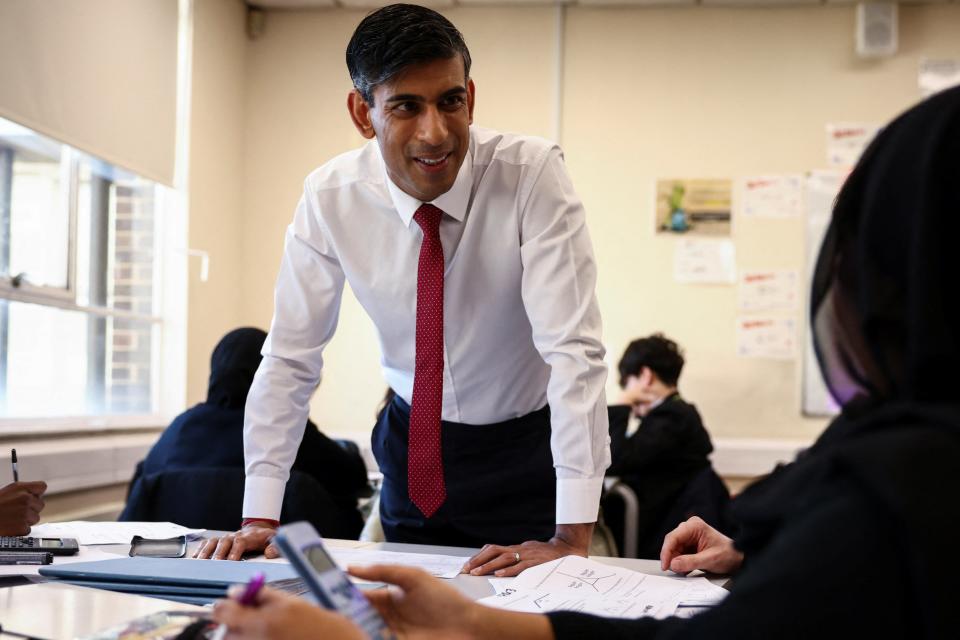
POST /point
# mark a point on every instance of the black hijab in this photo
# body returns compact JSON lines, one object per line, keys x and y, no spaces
{"x":232,"y":366}
{"x":885,"y":310}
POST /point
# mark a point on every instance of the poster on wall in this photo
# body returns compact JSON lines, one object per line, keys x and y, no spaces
{"x":847,"y":141}
{"x":768,"y":290}
{"x":702,"y":207}
{"x":937,"y":75}
{"x":779,"y":196}
{"x":704,"y":261}
{"x":770,"y":338}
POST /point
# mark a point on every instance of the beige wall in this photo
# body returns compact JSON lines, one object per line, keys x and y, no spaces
{"x":216,"y":181}
{"x":647,"y":93}
{"x":716,"y":92}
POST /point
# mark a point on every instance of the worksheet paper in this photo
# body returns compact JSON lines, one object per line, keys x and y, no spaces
{"x":436,"y":565}
{"x":109,"y":532}
{"x":580,"y":584}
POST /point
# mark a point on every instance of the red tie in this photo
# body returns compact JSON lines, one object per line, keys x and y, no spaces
{"x":425,"y":463}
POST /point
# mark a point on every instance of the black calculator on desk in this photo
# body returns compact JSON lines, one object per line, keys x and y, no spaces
{"x":56,"y":546}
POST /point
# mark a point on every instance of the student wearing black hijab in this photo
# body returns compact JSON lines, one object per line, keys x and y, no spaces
{"x":854,"y":539}
{"x":186,"y":443}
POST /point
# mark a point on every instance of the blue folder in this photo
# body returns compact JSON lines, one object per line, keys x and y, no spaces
{"x":172,"y":577}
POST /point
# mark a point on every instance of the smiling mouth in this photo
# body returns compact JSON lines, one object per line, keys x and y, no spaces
{"x":433,"y":164}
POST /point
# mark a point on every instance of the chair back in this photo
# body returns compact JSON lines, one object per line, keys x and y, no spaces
{"x":212,"y":498}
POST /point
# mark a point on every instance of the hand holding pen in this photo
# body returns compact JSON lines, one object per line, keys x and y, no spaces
{"x":246,"y":598}
{"x":20,"y":503}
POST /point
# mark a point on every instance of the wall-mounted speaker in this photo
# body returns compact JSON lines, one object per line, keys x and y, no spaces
{"x":876,"y":29}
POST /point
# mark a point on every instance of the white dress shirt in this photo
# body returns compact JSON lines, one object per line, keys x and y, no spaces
{"x":521,"y":323}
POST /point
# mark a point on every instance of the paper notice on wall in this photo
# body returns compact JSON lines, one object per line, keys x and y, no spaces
{"x":937,"y":75}
{"x":770,"y":290}
{"x":846,"y":142}
{"x":774,"y":338}
{"x":772,"y":196}
{"x":705,"y":262}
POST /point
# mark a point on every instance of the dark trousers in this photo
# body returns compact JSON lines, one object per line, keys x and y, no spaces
{"x":500,"y":481}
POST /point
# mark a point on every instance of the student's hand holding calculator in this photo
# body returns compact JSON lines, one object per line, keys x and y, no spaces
{"x":277,"y":614}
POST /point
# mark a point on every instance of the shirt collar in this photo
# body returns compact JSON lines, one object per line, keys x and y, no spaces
{"x":453,"y":203}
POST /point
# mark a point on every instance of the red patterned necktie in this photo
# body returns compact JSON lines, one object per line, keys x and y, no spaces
{"x":425,"y":463}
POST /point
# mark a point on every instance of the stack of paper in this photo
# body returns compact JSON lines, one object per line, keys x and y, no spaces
{"x":579,"y":584}
{"x":109,"y":532}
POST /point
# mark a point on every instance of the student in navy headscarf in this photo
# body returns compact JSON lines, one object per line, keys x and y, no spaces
{"x":210,"y":434}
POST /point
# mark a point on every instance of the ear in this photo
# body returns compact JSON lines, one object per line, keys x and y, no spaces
{"x":360,"y":114}
{"x":471,"y":96}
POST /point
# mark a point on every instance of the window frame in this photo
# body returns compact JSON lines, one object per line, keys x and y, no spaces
{"x":66,"y":298}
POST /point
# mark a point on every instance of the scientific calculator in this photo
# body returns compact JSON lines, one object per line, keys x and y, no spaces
{"x":56,"y":546}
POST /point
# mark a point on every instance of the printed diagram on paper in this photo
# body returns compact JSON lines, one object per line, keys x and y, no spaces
{"x":579,"y":584}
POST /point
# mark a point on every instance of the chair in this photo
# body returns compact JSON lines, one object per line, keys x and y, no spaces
{"x":212,"y":498}
{"x":705,"y":495}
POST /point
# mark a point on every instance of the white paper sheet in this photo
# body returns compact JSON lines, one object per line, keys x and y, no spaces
{"x":436,"y":565}
{"x":109,"y":532}
{"x":580,"y":584}
{"x":705,"y":262}
{"x":937,"y":75}
{"x":769,"y":290}
{"x":762,"y":337}
{"x":847,"y":141}
{"x":776,"y":196}
{"x":86,"y":554}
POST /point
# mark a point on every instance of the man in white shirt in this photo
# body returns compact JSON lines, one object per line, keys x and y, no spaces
{"x":469,"y":250}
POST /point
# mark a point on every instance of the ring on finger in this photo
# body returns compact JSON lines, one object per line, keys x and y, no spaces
{"x":516,"y":557}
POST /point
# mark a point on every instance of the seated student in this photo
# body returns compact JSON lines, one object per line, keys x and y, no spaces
{"x":854,"y":538}
{"x":661,"y":460}
{"x":210,"y":434}
{"x":20,"y":507}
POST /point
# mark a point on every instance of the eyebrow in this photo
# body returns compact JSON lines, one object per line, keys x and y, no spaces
{"x":412,"y":97}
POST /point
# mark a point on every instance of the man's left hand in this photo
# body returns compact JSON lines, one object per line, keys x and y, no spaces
{"x":506,"y":562}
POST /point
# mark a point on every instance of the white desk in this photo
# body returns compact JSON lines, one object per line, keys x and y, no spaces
{"x":58,"y":611}
{"x":49,"y":610}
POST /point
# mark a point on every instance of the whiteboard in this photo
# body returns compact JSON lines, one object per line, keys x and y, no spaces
{"x":820,"y":192}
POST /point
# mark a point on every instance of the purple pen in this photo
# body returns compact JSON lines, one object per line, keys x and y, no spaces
{"x":253,"y":587}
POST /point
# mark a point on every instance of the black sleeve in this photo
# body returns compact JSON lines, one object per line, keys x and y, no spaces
{"x":341,"y":472}
{"x":618,"y":416}
{"x":834,"y":571}
{"x":659,"y":434}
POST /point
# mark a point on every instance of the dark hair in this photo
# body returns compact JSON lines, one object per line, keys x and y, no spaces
{"x":660,"y":354}
{"x":396,"y":36}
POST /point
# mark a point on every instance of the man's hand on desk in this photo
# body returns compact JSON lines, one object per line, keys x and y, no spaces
{"x":506,"y":562}
{"x":20,"y":507}
{"x":253,"y":538}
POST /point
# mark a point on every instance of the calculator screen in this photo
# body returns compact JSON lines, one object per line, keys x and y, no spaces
{"x":46,"y":543}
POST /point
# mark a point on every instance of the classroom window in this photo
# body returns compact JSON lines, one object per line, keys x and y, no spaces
{"x":79,"y":254}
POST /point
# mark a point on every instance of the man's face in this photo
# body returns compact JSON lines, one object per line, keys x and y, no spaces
{"x":421,"y":120}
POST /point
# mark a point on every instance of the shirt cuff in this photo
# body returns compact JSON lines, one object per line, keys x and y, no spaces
{"x":578,"y":499}
{"x":263,"y":497}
